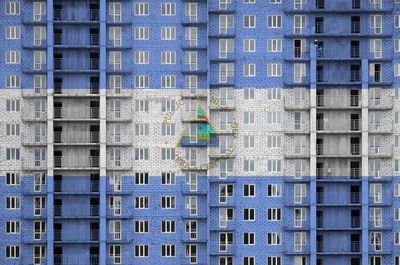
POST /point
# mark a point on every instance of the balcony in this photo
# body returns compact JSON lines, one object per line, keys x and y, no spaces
{"x":76,"y":113}
{"x":296,"y":151}
{"x":76,"y":162}
{"x":384,"y":102}
{"x":70,"y":16}
{"x":355,"y":246}
{"x":332,"y":199}
{"x":337,"y":102}
{"x":30,"y":139}
{"x":380,"y":127}
{"x":71,"y":211}
{"x":355,"y":222}
{"x":76,"y":259}
{"x":64,"y":65}
{"x":338,"y":174}
{"x":59,"y":236}
{"x":331,"y":151}
{"x":348,"y":126}
{"x":320,"y":246}
{"x":93,"y":91}
{"x":29,"y":114}
{"x":83,"y":137}
{"x":92,"y":40}
{"x":70,"y":188}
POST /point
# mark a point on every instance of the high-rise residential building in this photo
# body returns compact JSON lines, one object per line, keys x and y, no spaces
{"x":210,"y":132}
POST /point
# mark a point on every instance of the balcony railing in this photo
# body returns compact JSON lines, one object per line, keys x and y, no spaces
{"x":76,"y":113}
{"x":64,"y":15}
{"x":76,"y":161}
{"x":88,"y":186}
{"x":76,"y":137}
{"x":355,"y":222}
{"x":63,"y":64}
{"x":354,"y":149}
{"x":320,"y":246}
{"x":355,"y":246}
{"x":328,"y":173}
{"x":72,"y":237}
{"x":332,"y":198}
{"x":93,"y":40}
{"x":76,"y":259}
{"x":338,"y":101}
{"x":73,"y":211}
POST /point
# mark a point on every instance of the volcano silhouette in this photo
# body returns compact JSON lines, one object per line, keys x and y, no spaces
{"x":206,"y":135}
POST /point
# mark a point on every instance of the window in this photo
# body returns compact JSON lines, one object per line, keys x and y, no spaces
{"x":249,"y":70}
{"x":141,"y":9}
{"x":168,"y":129}
{"x":141,"y":250}
{"x":141,"y":226}
{"x":141,"y":129}
{"x":114,"y":202}
{"x":191,"y":60}
{"x":39,"y":10}
{"x":249,"y":21}
{"x":376,"y":48}
{"x":141,"y":178}
{"x":375,"y":216}
{"x":274,"y":21}
{"x":12,"y":129}
{"x":12,"y":227}
{"x":249,"y":45}
{"x":273,"y":117}
{"x":397,"y":214}
{"x":397,"y":45}
{"x":299,"y":72}
{"x":274,"y":214}
{"x":13,"y":179}
{"x":39,"y":203}
{"x":13,"y":57}
{"x":248,"y":141}
{"x":39,"y":253}
{"x":248,"y":117}
{"x":168,"y":33}
{"x":114,"y":228}
{"x":225,"y":240}
{"x":225,"y":46}
{"x":376,"y":23}
{"x":114,"y":10}
{"x":39,"y":59}
{"x":226,"y":70}
{"x":168,"y":226}
{"x":249,"y":190}
{"x":300,"y":192}
{"x":397,"y":238}
{"x":115,"y":35}
{"x":168,"y":202}
{"x":39,"y":83}
{"x":376,"y":240}
{"x":141,"y":57}
{"x":274,"y":165}
{"x":114,"y":251}
{"x":39,"y":35}
{"x":299,"y":216}
{"x":168,"y":57}
{"x":114,"y":59}
{"x":274,"y":190}
{"x":13,"y":81}
{"x":249,"y":1}
{"x":249,"y":238}
{"x":141,"y":105}
{"x":274,"y":260}
{"x":141,"y":33}
{"x":299,"y":241}
{"x":274,"y":45}
{"x":168,"y":250}
{"x":225,"y":191}
{"x":13,"y":32}
{"x":12,"y":8}
{"x":375,"y":191}
{"x":248,"y":93}
{"x":397,"y":21}
{"x":299,"y":24}
{"x":191,"y":35}
{"x":141,"y":202}
{"x":274,"y":238}
{"x":115,"y":83}
{"x":248,"y":165}
{"x":168,"y":81}
{"x":168,"y":9}
{"x":375,"y":260}
{"x":191,"y":205}
{"x":274,"y":69}
{"x":12,"y":252}
{"x":274,"y":94}
{"x":249,"y":214}
{"x":225,"y":216}
{"x":396,"y":69}
{"x":226,"y":22}
{"x":191,"y":11}
{"x":298,"y":5}
{"x":249,"y":261}
{"x":141,"y":81}
{"x":13,"y":203}
{"x":168,"y":178}
{"x":397,"y":190}
{"x":13,"y":154}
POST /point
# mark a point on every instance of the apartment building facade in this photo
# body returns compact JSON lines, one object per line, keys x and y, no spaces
{"x":213,"y":132}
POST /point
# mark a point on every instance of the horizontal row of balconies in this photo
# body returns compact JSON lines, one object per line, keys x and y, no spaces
{"x":93,"y":91}
{"x":79,"y":113}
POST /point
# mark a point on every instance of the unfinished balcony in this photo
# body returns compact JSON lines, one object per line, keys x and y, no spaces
{"x":338,"y":151}
{"x":70,"y":113}
{"x":83,"y":236}
{"x":325,"y":126}
{"x":338,"y":102}
{"x":333,"y":199}
{"x":76,"y":259}
{"x":64,"y":65}
{"x":338,"y":174}
{"x":76,"y":162}
{"x":64,"y":186}
{"x":70,"y":16}
{"x":76,"y":138}
{"x":71,"y":211}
